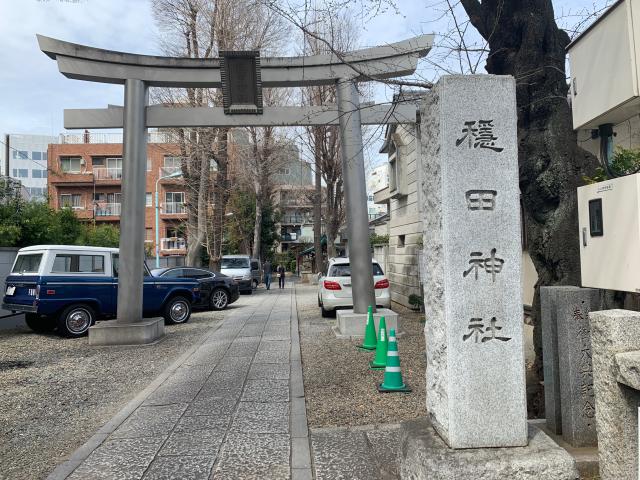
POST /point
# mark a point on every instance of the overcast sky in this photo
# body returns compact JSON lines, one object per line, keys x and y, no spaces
{"x":34,"y":94}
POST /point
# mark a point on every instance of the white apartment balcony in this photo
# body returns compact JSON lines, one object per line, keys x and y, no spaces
{"x":173,"y":208}
{"x":103,"y":173}
{"x":95,"y":138}
{"x":166,"y":171}
{"x":173,"y":245}
{"x":108,"y":210}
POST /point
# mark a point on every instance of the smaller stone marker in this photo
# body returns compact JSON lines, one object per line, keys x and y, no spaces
{"x":578,"y":404}
{"x":568,"y":375}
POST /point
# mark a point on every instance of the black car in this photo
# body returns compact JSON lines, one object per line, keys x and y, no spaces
{"x":216,"y":289}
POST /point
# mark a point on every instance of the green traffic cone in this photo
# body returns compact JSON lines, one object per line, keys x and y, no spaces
{"x":369,"y":332}
{"x":392,"y":375}
{"x":380,"y":361}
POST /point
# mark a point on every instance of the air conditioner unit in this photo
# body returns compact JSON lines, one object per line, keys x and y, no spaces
{"x":83,"y":162}
{"x":609,"y":229}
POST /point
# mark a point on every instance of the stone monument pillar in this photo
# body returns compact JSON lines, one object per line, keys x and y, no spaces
{"x":473,"y":302}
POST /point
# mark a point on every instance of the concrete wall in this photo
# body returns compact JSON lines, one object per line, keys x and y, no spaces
{"x":405,"y":224}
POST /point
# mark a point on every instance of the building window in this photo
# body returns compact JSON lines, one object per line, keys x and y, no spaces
{"x":44,"y":174}
{"x":148,"y":164}
{"x":401,"y":240}
{"x":172,"y":232}
{"x":148,"y":235}
{"x":70,"y":164}
{"x":44,"y":156}
{"x":36,"y":173}
{"x":23,"y":173}
{"x":20,"y":155}
{"x":36,"y":155}
{"x":97,"y":161}
{"x":71,"y":201}
{"x":15,"y":173}
{"x":284,"y":171}
{"x":149,"y":200}
{"x":393,"y":167}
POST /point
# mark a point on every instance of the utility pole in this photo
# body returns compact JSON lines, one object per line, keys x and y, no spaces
{"x":7,"y":138}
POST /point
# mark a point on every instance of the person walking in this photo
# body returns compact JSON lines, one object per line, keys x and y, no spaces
{"x":267,"y":274}
{"x":281,"y":271}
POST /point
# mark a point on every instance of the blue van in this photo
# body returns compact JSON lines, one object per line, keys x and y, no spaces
{"x":68,"y":288}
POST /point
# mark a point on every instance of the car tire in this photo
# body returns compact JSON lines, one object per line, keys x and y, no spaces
{"x":75,"y":320}
{"x":176,"y":310}
{"x":219,"y":299}
{"x":39,"y":324}
{"x":254,"y":284}
{"x":327,"y":313}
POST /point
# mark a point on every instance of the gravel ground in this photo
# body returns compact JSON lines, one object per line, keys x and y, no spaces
{"x":339,"y":387}
{"x":55,"y":393}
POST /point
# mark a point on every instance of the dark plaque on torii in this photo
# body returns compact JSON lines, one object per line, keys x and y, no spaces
{"x":241,"y":82}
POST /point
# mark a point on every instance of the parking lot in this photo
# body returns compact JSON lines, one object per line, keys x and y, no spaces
{"x":56,"y":392}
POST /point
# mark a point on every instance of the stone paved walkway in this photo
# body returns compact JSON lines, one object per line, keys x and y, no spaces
{"x":231,"y":408}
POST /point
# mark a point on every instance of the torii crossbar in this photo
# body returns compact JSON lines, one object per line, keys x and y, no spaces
{"x":139,"y":72}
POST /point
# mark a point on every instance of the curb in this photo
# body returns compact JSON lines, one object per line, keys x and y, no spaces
{"x":300,"y":446}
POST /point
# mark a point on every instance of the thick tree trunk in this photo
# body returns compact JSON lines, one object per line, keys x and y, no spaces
{"x":220,"y":199}
{"x":525,"y":42}
{"x":257,"y":229}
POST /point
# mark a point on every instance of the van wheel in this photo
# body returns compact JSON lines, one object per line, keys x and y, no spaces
{"x":255,"y":284}
{"x":177,"y":310}
{"x":39,"y":324}
{"x":75,"y":320}
{"x":219,"y":299}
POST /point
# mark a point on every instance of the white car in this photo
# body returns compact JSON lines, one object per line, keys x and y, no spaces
{"x":334,"y":288}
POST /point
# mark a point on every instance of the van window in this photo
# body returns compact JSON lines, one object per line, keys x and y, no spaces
{"x":75,"y":263}
{"x":27,"y":263}
{"x":344,"y":270}
{"x":255,"y":265}
{"x":234,"y":263}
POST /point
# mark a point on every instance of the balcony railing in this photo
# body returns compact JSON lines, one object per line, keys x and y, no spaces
{"x":103,"y":173}
{"x":108,"y":210}
{"x":173,"y":243}
{"x":172,"y":208}
{"x":152,"y":137}
{"x":165,"y":171}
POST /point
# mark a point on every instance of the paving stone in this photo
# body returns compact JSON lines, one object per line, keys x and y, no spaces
{"x":385,"y":444}
{"x":174,"y":393}
{"x":253,"y":456}
{"x":274,"y":346}
{"x":211,"y":406}
{"x":195,"y":442}
{"x":339,"y":453}
{"x":148,"y":421}
{"x":266,"y":391}
{"x":242,"y":349}
{"x":203,"y":422}
{"x":183,"y":468}
{"x":276,"y":336}
{"x":191,"y":373}
{"x":233,"y":363}
{"x":224,"y":380}
{"x":121,"y":459}
{"x":257,"y":417}
{"x":272,"y":357}
{"x":266,"y":371}
{"x":251,"y":330}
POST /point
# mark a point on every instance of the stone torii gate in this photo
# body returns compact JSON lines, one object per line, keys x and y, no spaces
{"x":241,"y":76}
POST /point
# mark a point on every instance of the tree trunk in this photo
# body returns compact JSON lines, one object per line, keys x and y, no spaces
{"x":525,"y":42}
{"x":317,"y":206}
{"x":220,"y":199}
{"x":257,"y":229}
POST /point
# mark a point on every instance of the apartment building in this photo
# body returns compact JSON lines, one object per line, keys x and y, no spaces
{"x":85,"y":174}
{"x":293,"y":196}
{"x":28,"y":162}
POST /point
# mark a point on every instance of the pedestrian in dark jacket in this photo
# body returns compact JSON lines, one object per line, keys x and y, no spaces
{"x":267,"y":274}
{"x":281,"y":271}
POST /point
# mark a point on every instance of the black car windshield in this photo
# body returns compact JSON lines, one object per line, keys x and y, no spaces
{"x":344,"y":270}
{"x":235,"y":263}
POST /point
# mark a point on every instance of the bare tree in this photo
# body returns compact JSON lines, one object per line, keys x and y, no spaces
{"x":322,"y":34}
{"x":200,"y":29}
